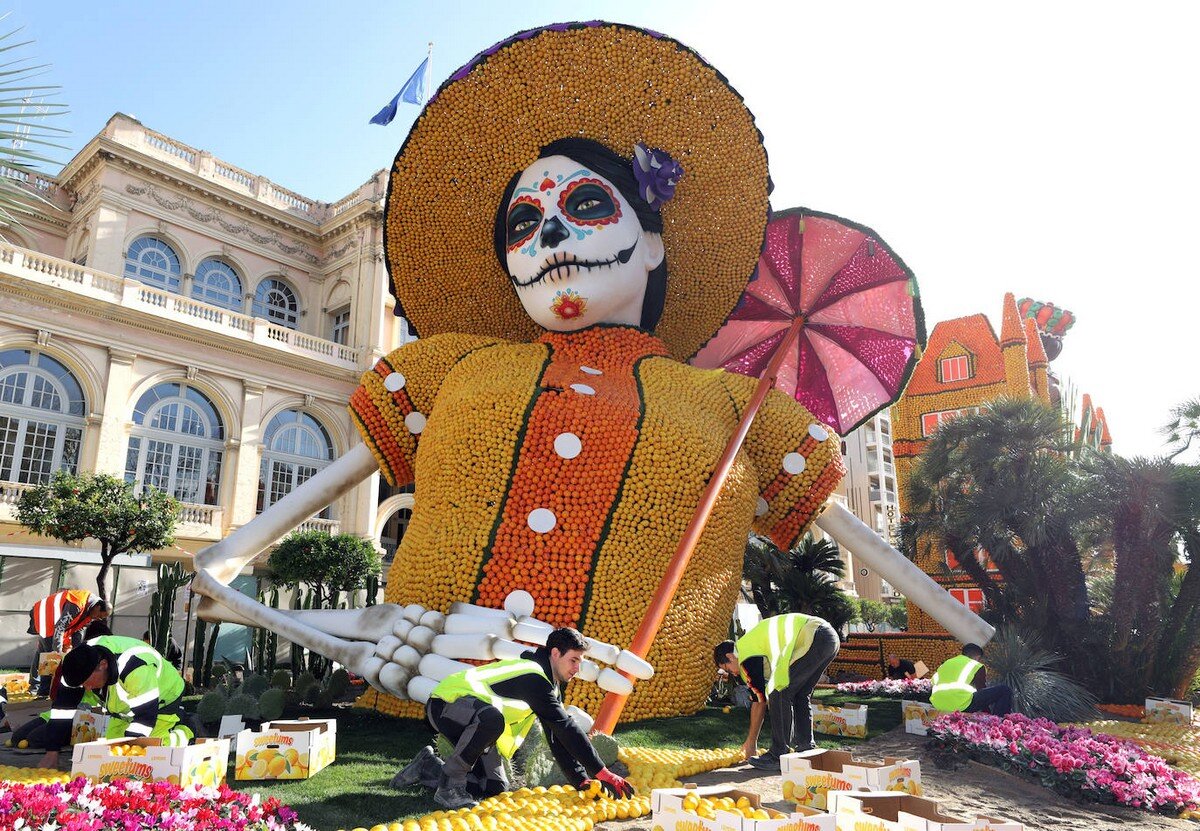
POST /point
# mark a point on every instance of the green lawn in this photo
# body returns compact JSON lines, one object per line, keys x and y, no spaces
{"x":354,"y":790}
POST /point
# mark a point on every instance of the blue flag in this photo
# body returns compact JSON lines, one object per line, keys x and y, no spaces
{"x":413,"y":92}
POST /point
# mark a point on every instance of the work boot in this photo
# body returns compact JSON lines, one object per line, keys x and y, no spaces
{"x":424,"y":769}
{"x":453,"y":797}
{"x":766,"y":761}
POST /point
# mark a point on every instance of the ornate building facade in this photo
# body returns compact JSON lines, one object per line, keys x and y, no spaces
{"x":175,"y":320}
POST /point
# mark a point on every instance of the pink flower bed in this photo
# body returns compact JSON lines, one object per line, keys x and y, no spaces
{"x":137,"y":806}
{"x":912,"y":688}
{"x":1071,"y":760}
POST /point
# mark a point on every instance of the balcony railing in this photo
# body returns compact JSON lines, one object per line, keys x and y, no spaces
{"x":130,"y":294}
{"x":329,"y":526}
{"x":130,"y":133}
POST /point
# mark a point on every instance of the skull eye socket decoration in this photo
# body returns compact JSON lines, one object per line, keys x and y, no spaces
{"x":524,"y":217}
{"x":589,"y":202}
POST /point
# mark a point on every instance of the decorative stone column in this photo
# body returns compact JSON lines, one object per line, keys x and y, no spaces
{"x":106,"y":248}
{"x":114,"y":423}
{"x":243,"y":504}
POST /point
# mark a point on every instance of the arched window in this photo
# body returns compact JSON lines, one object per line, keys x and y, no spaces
{"x":295,"y":447}
{"x":177,"y":444}
{"x":217,"y":283}
{"x":155,"y":263}
{"x":41,"y":417}
{"x":275,"y":301}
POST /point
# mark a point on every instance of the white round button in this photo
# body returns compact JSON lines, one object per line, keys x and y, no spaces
{"x":567,"y":445}
{"x":583,"y":389}
{"x":762,"y":508}
{"x":394,"y":382}
{"x":818,"y":432}
{"x":541,"y":520}
{"x":793,"y":463}
{"x":415,"y":422}
{"x":590,"y":371}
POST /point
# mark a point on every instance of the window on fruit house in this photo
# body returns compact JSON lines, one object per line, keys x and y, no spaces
{"x":957,"y":368}
{"x":971,"y":598}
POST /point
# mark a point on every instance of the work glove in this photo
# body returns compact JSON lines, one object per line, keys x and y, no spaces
{"x":614,"y":785}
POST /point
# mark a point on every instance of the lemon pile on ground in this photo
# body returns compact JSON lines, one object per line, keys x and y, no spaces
{"x":557,"y":808}
{"x":653,"y":767}
{"x":33,"y":776}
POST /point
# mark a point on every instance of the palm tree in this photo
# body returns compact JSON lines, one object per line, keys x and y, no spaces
{"x":804,"y":579}
{"x":1184,"y":427}
{"x":1006,"y":481}
{"x":23,"y":125}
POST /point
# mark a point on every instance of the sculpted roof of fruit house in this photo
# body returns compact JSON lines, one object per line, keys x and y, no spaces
{"x":976,"y":335}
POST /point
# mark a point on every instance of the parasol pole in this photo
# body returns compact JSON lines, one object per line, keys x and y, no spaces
{"x":614,"y":703}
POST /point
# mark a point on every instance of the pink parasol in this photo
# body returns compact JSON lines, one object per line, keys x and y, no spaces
{"x":862,"y":326}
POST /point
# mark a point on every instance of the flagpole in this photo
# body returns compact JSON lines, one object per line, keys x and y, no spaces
{"x":429,"y":73}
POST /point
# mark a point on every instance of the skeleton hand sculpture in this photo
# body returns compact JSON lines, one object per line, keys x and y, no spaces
{"x":401,"y":650}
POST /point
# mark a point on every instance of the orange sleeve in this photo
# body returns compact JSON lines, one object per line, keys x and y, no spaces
{"x":395,"y":397}
{"x":798,"y":461}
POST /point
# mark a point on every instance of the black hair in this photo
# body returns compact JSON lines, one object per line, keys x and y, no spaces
{"x":722,"y":651}
{"x":565,"y":639}
{"x":618,"y":170}
{"x":972,"y":651}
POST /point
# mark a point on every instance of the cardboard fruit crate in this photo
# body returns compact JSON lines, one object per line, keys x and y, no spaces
{"x":918,"y":715}
{"x":850,"y":720}
{"x":48,"y":662}
{"x":669,"y":814}
{"x":903,"y":812}
{"x":88,"y":726}
{"x":1168,"y":711}
{"x":810,"y":777}
{"x":286,"y":749}
{"x":203,"y":763}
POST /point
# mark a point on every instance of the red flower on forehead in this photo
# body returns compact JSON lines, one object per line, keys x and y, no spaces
{"x":546,"y":184}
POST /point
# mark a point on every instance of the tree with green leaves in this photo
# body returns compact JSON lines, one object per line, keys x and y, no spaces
{"x":101,"y":507}
{"x":804,"y":579}
{"x":1093,"y":551}
{"x":898,"y":616}
{"x":24,"y":129}
{"x":1183,"y":430}
{"x":328,"y":564}
{"x":872,"y":613}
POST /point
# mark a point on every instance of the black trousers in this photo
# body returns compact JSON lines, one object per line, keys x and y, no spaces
{"x":472,"y":726}
{"x":790,"y":708}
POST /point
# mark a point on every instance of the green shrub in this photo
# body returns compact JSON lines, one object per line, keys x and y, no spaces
{"x":255,"y":685}
{"x":271,"y":703}
{"x":1038,"y":691}
{"x":211,"y":707}
{"x":281,"y":679}
{"x":242,"y":705}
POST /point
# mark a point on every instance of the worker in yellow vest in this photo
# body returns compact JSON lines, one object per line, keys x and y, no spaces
{"x":781,"y":660}
{"x":960,"y":684}
{"x":486,"y":711}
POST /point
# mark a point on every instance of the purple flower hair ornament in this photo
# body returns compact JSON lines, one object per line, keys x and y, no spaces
{"x":657,"y":174}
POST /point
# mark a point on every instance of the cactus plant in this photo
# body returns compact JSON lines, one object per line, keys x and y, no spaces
{"x":209,"y":654}
{"x":211,"y":707}
{"x":162,"y":604}
{"x":281,"y":679}
{"x":242,"y":705}
{"x":271,"y":703}
{"x":255,"y":685}
{"x":338,"y":683}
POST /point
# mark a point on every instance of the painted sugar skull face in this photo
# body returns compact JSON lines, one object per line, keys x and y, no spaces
{"x":576,"y":252}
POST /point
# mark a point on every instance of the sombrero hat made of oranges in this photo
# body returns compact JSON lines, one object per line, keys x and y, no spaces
{"x":618,"y":85}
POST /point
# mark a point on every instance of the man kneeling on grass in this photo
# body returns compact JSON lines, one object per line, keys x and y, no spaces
{"x":485,"y":712}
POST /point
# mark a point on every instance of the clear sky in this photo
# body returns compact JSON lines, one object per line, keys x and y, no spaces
{"x":1048,"y":149}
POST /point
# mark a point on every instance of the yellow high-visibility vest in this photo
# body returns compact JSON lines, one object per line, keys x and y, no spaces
{"x":477,"y":681}
{"x":780,"y":639}
{"x":952,"y":689}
